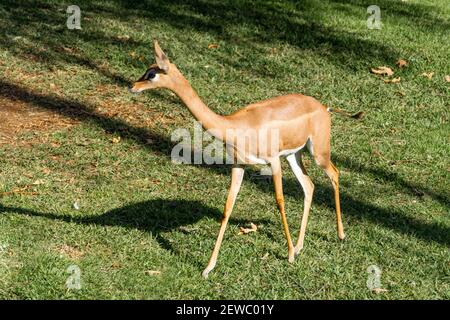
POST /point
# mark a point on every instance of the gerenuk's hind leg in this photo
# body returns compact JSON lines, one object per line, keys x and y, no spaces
{"x":333,"y":173}
{"x":320,"y":149}
{"x":295,"y":161}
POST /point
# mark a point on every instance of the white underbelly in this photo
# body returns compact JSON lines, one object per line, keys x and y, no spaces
{"x":255,"y":160}
{"x":252,"y":159}
{"x":291,"y":151}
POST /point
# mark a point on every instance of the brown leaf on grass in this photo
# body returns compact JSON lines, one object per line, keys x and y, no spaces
{"x":22,"y":190}
{"x":38,"y":182}
{"x":402,"y":63}
{"x":67,"y":49}
{"x":213,"y":46}
{"x":429,"y":75}
{"x":153,"y":272}
{"x":115,"y":140}
{"x":123,"y":38}
{"x":379,"y":290}
{"x":394,"y":80}
{"x":447,"y":78}
{"x":384,"y":71}
{"x":252,"y":228}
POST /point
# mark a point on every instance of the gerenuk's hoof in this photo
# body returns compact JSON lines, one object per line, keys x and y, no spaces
{"x":297,"y":250}
{"x":206,"y":272}
{"x":291,"y":257}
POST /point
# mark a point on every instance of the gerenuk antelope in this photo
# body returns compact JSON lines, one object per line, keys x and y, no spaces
{"x":299,"y":121}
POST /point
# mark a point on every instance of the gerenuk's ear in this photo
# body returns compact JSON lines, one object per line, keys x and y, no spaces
{"x":161,"y":59}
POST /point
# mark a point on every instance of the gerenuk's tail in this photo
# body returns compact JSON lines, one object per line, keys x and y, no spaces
{"x":356,"y":116}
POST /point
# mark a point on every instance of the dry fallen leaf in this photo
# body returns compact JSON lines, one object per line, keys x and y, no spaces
{"x":115,"y":140}
{"x":123,"y":38}
{"x":252,"y":228}
{"x":383,"y":71}
{"x":38,"y":182}
{"x":402,"y":63}
{"x":213,"y":46}
{"x":153,"y":272}
{"x":394,"y":80}
{"x":447,"y":78}
{"x":379,"y":290}
{"x":22,"y":190}
{"x":67,"y":49}
{"x":429,"y":75}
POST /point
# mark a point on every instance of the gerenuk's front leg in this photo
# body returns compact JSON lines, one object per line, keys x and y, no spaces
{"x":237,"y":175}
{"x":278,"y":183}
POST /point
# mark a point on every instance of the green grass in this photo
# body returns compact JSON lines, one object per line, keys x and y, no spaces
{"x":140,"y":212}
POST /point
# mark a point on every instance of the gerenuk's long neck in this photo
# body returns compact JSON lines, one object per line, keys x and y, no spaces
{"x":208,"y":118}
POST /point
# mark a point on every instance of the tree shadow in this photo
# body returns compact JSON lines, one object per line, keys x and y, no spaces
{"x":85,"y":112}
{"x":270,"y":23}
{"x":423,"y":16}
{"x":54,"y":45}
{"x":299,"y":24}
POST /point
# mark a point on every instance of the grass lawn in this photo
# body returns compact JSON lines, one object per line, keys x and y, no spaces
{"x":71,"y":132}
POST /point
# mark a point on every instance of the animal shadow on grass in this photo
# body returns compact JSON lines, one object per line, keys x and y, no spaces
{"x":156,"y":216}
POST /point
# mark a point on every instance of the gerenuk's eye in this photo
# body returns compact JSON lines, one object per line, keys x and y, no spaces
{"x":151,"y":74}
